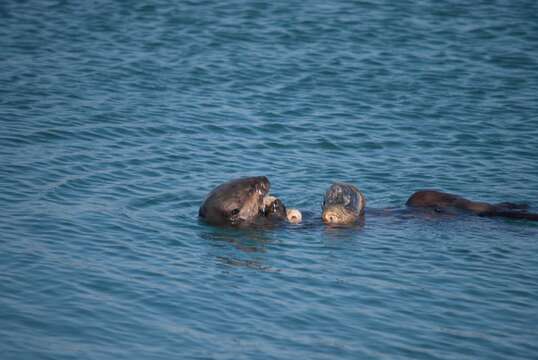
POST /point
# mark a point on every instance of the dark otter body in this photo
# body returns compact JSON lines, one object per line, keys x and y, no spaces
{"x":441,"y":201}
{"x":343,"y":204}
{"x":242,"y":202}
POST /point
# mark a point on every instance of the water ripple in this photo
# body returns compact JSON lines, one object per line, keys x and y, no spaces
{"x":118,"y":118}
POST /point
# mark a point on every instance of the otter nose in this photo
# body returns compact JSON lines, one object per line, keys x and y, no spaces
{"x":329,"y":218}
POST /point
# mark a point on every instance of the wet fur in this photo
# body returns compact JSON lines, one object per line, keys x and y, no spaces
{"x":343,"y":204}
{"x":441,"y":201}
{"x":236,"y":202}
{"x":274,"y":208}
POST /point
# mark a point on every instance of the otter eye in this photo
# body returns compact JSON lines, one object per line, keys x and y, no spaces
{"x":235,"y":211}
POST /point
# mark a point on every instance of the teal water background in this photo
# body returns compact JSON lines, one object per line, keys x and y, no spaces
{"x":117,"y":118}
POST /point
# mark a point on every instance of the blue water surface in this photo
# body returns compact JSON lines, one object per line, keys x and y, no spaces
{"x":118,"y":117}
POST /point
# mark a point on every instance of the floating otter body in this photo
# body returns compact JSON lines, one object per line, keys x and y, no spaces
{"x":443,"y":202}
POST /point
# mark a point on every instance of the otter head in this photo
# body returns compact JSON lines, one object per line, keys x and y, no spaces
{"x":235,"y":202}
{"x":343,"y":204}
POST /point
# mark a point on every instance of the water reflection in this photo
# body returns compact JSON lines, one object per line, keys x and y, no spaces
{"x":341,"y":234}
{"x":252,"y":264}
{"x":246,"y":240}
{"x":250,"y":242}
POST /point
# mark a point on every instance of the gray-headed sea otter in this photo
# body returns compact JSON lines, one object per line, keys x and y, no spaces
{"x":344,"y":204}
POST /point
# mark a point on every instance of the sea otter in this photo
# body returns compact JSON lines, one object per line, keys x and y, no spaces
{"x":245,"y":202}
{"x":344,"y":204}
{"x":444,"y":202}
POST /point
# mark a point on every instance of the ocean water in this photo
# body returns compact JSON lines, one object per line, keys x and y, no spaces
{"x":118,"y":117}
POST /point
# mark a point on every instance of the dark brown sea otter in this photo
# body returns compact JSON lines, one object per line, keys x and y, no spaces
{"x":244,"y":202}
{"x":236,"y":202}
